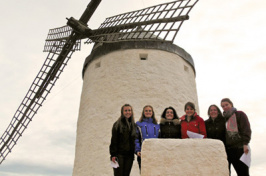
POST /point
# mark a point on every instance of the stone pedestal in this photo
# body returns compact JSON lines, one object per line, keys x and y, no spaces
{"x":186,"y":157}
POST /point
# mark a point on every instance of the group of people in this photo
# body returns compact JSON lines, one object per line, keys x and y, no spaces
{"x":231,"y":127}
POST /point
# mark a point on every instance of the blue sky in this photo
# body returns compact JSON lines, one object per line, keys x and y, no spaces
{"x":225,"y":38}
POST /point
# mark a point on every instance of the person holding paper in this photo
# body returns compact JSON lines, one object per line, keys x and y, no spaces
{"x":215,"y":125}
{"x":238,"y":135}
{"x":147,"y":127}
{"x":123,"y":142}
{"x":170,"y":124}
{"x":192,"y":122}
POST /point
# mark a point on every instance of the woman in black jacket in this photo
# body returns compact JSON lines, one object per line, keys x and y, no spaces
{"x":122,"y":145}
{"x":215,"y":125}
{"x":238,"y":136}
{"x":170,"y":124}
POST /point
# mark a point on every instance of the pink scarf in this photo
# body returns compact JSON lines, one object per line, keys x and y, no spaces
{"x":231,"y":124}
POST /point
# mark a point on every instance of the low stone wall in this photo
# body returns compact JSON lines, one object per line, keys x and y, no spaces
{"x":186,"y":157}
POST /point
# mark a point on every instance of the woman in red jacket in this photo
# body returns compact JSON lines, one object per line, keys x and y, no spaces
{"x":192,"y":122}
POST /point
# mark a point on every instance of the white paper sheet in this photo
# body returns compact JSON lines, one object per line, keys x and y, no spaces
{"x":194,"y":135}
{"x":114,"y":164}
{"x":246,"y":158}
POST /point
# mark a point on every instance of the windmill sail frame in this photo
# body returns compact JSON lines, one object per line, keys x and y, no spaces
{"x":57,"y":37}
{"x":160,"y":22}
{"x":36,"y":95}
{"x":42,"y":84}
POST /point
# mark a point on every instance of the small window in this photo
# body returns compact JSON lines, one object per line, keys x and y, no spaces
{"x":143,"y":56}
{"x":186,"y":68}
{"x":97,"y":65}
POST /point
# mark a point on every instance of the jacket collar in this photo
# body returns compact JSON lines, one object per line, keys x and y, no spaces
{"x":147,"y":120}
{"x":174,"y":121}
{"x":193,"y":117}
{"x":218,"y":118}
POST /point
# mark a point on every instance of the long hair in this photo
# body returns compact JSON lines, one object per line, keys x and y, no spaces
{"x":174,"y":113}
{"x":218,"y":109}
{"x":123,"y":121}
{"x":154,"y":120}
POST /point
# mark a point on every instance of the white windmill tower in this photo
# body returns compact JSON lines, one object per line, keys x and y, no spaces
{"x":133,"y":61}
{"x":136,"y":64}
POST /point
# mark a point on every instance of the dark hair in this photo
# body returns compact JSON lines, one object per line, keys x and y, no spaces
{"x":219,"y":111}
{"x":191,"y":105}
{"x":124,"y":122}
{"x":227,"y":100}
{"x":174,"y":112}
{"x":154,"y":120}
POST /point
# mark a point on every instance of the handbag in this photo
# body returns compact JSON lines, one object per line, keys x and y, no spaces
{"x":233,"y":139}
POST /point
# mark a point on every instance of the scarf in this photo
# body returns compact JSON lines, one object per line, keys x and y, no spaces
{"x":232,"y":136}
{"x":229,"y":113}
{"x":230,"y":117}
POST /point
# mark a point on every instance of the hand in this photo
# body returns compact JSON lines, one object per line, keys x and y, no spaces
{"x":246,"y":150}
{"x":139,"y":154}
{"x":114,"y":159}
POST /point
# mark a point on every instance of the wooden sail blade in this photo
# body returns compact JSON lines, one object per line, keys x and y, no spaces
{"x":87,"y":14}
{"x":61,"y":44}
{"x":161,"y":29}
{"x":40,"y":88}
{"x":161,"y":22}
{"x":57,"y":37}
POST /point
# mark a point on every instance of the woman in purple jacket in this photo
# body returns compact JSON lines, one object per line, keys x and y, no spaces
{"x":147,"y":127}
{"x":238,"y":135}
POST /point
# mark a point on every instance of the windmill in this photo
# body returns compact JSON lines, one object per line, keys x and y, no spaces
{"x":160,"y":22}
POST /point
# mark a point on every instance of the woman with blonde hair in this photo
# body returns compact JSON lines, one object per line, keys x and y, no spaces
{"x":147,"y":127}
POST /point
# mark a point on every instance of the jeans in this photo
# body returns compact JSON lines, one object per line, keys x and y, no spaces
{"x":125,"y":165}
{"x":233,"y":156}
{"x":139,"y":162}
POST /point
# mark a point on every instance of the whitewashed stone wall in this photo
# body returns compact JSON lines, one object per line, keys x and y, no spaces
{"x":164,"y":79}
{"x":186,"y":157}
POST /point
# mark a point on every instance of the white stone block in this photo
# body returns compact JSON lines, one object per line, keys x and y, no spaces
{"x":184,"y":157}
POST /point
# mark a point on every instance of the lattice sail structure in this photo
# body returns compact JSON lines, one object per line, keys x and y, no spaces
{"x":33,"y":100}
{"x":57,"y":37}
{"x":60,"y":51}
{"x":160,"y":22}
